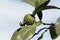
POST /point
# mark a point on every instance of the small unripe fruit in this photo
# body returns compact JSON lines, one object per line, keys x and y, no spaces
{"x":29,"y":20}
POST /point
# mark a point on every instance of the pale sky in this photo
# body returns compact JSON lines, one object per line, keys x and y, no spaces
{"x":13,"y":11}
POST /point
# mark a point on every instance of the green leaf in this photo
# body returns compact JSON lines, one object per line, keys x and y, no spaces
{"x":31,"y":2}
{"x":15,"y":36}
{"x":39,"y":2}
{"x":50,"y":7}
{"x":35,"y":3}
{"x":45,"y":8}
{"x":55,"y":29}
{"x":57,"y":26}
{"x":53,"y":33}
{"x":26,"y":32}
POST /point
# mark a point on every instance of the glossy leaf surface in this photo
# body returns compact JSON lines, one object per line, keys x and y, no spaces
{"x":26,"y":32}
{"x":35,"y":3}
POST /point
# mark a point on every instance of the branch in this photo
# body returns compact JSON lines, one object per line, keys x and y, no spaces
{"x":42,"y":35}
{"x":39,"y":31}
{"x":44,"y":8}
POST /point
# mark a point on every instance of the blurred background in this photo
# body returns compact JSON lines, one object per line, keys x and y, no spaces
{"x":13,"y":11}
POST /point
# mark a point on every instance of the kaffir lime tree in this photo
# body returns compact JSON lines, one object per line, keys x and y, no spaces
{"x":28,"y":26}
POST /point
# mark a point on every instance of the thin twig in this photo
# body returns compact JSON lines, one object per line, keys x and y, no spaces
{"x":38,"y":32}
{"x":42,"y":35}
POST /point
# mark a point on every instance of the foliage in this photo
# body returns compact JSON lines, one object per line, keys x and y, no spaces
{"x":25,"y":32}
{"x":29,"y":20}
{"x":27,"y":29}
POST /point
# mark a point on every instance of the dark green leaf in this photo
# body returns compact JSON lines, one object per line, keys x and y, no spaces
{"x":53,"y":33}
{"x":39,"y":2}
{"x":45,"y":8}
{"x":15,"y":36}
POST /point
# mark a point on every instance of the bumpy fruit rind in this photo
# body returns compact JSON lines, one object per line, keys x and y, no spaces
{"x":29,"y":20}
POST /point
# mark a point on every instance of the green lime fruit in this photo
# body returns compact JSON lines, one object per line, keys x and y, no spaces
{"x":29,"y":20}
